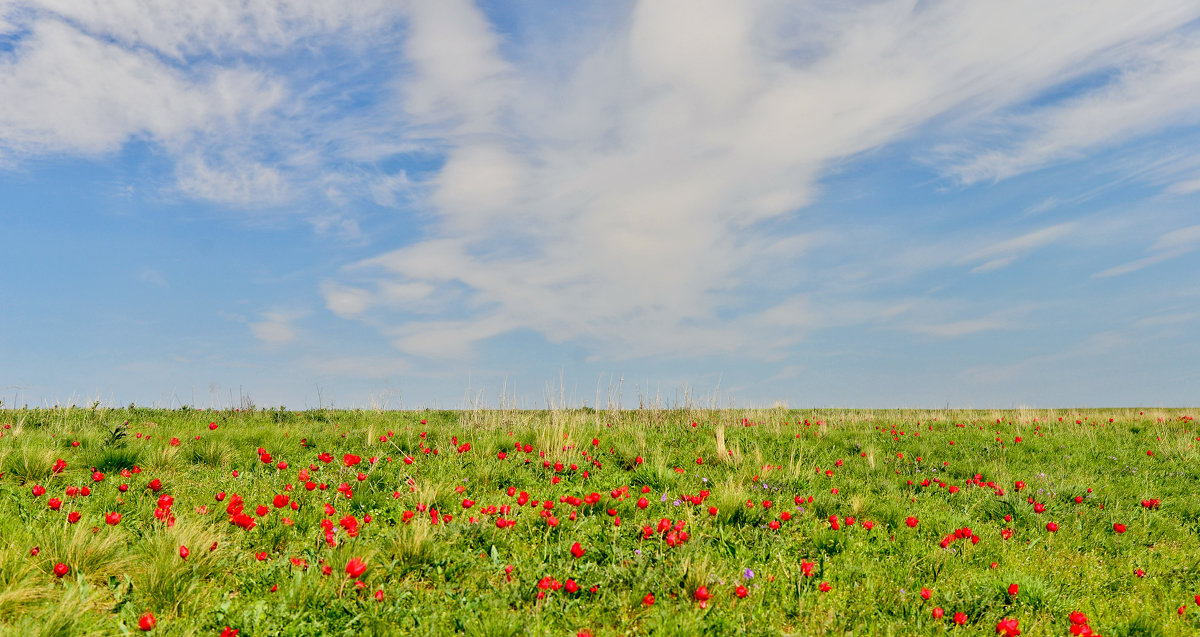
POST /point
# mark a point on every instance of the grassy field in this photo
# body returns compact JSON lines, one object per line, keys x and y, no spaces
{"x":681,"y":522}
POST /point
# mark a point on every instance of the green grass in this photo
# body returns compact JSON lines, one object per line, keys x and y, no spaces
{"x":469,"y":576}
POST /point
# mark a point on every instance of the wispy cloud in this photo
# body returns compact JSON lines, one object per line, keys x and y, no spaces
{"x":957,"y":329}
{"x":1003,"y":253}
{"x":1170,"y":245}
{"x":625,"y":201}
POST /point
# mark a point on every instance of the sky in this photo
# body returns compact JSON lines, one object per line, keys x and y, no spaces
{"x":390,"y":204}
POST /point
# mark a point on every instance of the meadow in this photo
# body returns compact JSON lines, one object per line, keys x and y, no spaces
{"x":565,"y":522}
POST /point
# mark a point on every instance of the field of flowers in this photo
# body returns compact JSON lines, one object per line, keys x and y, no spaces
{"x":763,"y":522}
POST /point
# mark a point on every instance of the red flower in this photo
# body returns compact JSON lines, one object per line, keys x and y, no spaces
{"x":355,"y":567}
{"x":577,"y":550}
{"x":1008,"y":627}
{"x":1078,"y":618}
{"x":938,"y":612}
{"x":911,"y":522}
{"x":1119,"y":528}
{"x":702,"y":595}
{"x":146,"y":622}
{"x":741,"y":591}
{"x":925,"y":593}
{"x":112,"y":519}
{"x":1051,"y":527}
{"x":184,"y":552}
{"x":61,"y":569}
{"x":960,"y":618}
{"x":648,"y":600}
{"x":825,"y":587}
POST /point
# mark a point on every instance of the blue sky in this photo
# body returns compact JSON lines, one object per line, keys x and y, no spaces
{"x":879,"y":204}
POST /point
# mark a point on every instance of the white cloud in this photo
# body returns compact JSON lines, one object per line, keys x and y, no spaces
{"x":153,"y":277}
{"x":345,"y":301}
{"x":200,"y":81}
{"x":275,"y":328}
{"x":1005,"y":252}
{"x":65,"y":91}
{"x":1169,"y":245}
{"x":1158,"y":88}
{"x":957,"y":329}
{"x":238,"y":183}
{"x":622,"y":200}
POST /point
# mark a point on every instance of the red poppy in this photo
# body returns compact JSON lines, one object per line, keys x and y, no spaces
{"x":147,"y":622}
{"x":355,"y":567}
{"x":61,"y":569}
{"x":1008,"y":627}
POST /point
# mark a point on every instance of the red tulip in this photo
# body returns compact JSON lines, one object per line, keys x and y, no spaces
{"x":61,"y":569}
{"x":577,"y":550}
{"x":355,"y":567}
{"x":184,"y":552}
{"x":741,"y":591}
{"x":911,"y":522}
{"x":648,"y":600}
{"x":1119,"y":528}
{"x":1012,"y":590}
{"x":112,"y":519}
{"x":960,"y":618}
{"x":1051,"y":527}
{"x":938,"y":612}
{"x":146,"y":622}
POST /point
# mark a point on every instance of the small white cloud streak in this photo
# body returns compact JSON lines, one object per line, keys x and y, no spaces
{"x":1170,"y":245}
{"x":1004,"y":253}
{"x":958,"y":329}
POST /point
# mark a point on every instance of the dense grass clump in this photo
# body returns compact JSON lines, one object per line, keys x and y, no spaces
{"x":684,"y":522}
